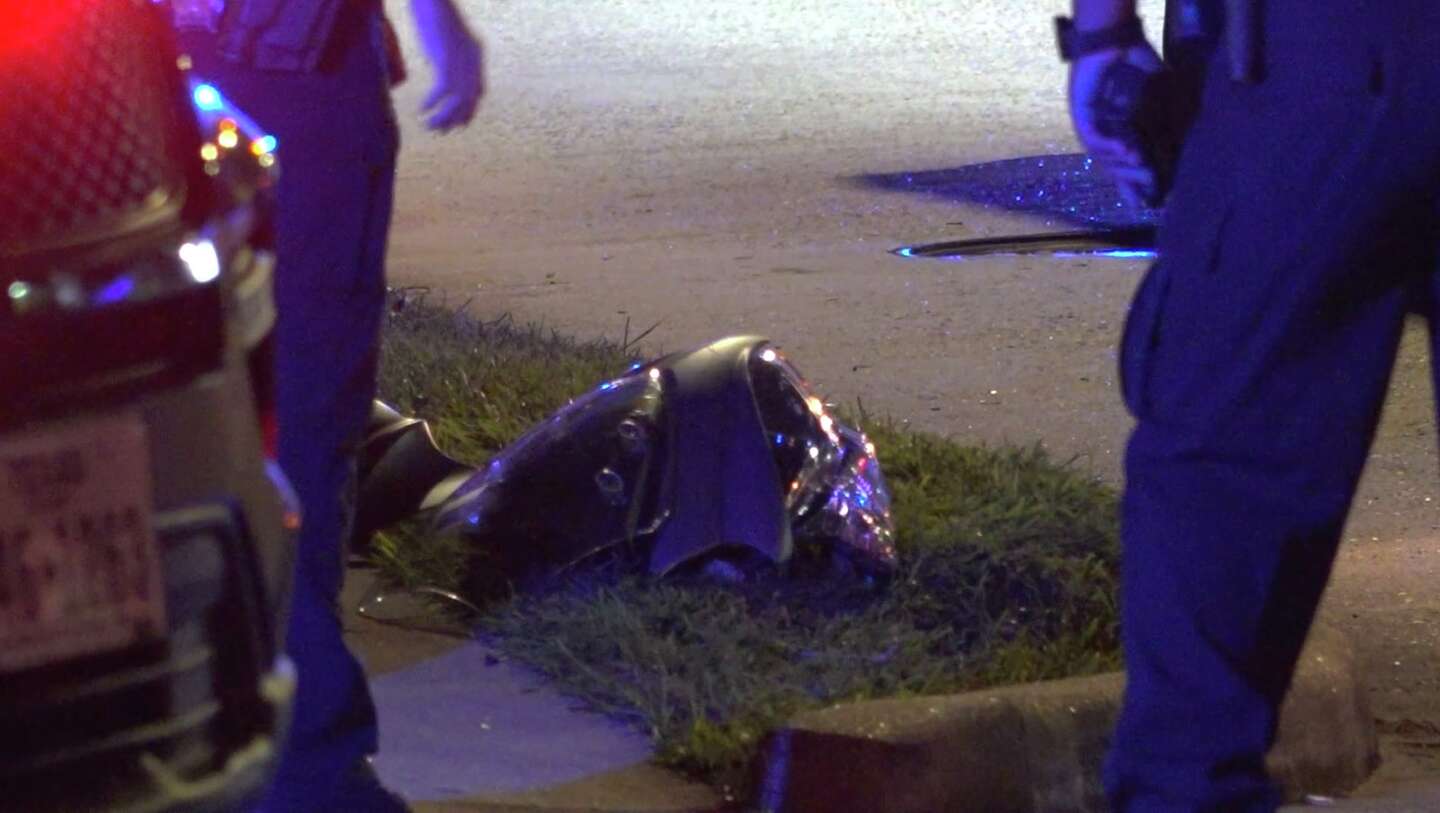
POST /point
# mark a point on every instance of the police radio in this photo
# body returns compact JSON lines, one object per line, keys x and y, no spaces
{"x":1131,"y":105}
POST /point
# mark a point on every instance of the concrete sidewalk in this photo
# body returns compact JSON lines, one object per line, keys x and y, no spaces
{"x":462,"y":729}
{"x":1417,"y":796}
{"x":1408,"y":781}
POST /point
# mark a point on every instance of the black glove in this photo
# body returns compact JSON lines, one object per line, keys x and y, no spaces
{"x":1131,"y":106}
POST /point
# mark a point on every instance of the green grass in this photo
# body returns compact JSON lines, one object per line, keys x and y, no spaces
{"x":1008,"y":569}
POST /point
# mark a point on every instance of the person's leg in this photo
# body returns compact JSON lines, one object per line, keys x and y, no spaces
{"x":1255,"y":360}
{"x":334,"y":212}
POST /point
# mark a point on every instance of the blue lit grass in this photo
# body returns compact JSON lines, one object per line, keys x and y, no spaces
{"x":1008,"y":574}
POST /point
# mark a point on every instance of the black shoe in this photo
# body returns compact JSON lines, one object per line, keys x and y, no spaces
{"x":361,"y":792}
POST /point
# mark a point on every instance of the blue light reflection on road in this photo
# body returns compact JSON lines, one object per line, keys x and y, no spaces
{"x":1112,"y":254}
{"x":909,"y":252}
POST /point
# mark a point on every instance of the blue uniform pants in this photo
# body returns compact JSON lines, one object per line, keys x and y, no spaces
{"x":1256,"y":356}
{"x":334,"y":207}
{"x":337,"y":147}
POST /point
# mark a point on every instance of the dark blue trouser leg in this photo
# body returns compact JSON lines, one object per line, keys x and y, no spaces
{"x":1255,"y":360}
{"x":335,"y":197}
{"x":337,"y":141}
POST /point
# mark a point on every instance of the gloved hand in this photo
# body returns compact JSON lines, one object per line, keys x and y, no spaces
{"x":1114,"y":109}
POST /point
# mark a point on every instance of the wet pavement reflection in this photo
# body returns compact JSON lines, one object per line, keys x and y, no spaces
{"x":1064,"y":190}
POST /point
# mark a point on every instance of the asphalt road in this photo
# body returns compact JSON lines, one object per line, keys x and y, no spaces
{"x":717,"y":168}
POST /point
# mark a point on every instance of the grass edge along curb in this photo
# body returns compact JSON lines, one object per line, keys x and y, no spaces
{"x":1008,"y":574}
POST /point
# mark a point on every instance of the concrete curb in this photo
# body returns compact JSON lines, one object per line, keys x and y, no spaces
{"x":642,"y":788}
{"x":1038,"y":748}
{"x":481,"y":806}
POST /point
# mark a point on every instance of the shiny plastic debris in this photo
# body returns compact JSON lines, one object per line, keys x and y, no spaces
{"x":389,"y":605}
{"x":837,"y":494}
{"x":716,"y":461}
{"x":581,"y":481}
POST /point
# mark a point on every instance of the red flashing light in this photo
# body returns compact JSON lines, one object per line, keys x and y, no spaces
{"x":32,"y":30}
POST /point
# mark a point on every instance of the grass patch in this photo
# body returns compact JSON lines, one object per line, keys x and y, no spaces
{"x":1008,"y":569}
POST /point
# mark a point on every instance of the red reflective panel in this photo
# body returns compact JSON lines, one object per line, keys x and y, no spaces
{"x":32,"y":30}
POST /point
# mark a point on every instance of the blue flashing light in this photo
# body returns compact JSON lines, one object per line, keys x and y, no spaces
{"x":207,"y":98}
{"x":118,"y":290}
{"x":779,"y":439}
{"x":266,"y":144}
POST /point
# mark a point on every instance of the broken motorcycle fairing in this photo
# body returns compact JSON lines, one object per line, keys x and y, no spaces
{"x":719,"y":454}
